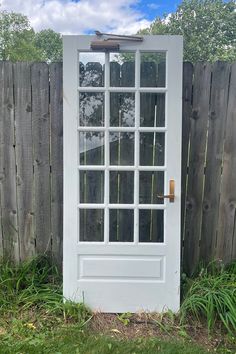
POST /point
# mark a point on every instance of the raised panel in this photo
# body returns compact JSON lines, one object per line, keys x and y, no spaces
{"x":128,"y":267}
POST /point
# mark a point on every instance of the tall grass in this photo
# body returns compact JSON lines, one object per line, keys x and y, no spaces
{"x":36,"y":284}
{"x":212,"y":295}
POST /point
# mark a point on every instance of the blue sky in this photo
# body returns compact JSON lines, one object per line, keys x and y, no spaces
{"x":83,"y":16}
{"x":152,"y":9}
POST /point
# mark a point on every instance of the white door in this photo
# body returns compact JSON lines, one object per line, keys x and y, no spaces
{"x":122,"y":153}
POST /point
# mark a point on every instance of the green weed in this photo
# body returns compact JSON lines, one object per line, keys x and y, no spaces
{"x":124,"y":318}
{"x":212,"y":295}
{"x":36,"y":286}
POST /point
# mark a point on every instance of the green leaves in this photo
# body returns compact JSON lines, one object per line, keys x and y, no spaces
{"x":208,"y":28}
{"x":36,"y":286}
{"x":124,"y":318}
{"x":19,"y":42}
{"x":50,"y":45}
{"x":212,"y":296}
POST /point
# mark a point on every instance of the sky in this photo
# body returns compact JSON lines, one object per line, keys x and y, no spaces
{"x":85,"y":16}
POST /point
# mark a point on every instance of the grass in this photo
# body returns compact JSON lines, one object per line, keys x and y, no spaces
{"x":35,"y":319}
{"x":72,"y":340}
{"x":36,"y":285}
{"x":212,"y":296}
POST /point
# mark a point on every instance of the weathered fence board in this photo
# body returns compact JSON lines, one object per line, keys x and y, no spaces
{"x":226,"y":241}
{"x":8,"y":164}
{"x":31,"y":161}
{"x":24,"y":158}
{"x":56,"y":101}
{"x":198,"y":136}
{"x":186,"y":115}
{"x":214,"y":155}
{"x":41,"y":146}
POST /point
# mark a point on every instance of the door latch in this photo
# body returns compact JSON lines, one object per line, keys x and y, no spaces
{"x":171,"y":195}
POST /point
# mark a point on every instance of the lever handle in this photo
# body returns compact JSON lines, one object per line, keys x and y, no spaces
{"x":171,"y":195}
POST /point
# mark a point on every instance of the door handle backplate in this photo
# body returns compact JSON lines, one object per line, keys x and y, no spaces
{"x":171,"y":195}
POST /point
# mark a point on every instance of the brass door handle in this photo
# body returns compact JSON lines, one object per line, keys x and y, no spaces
{"x":171,"y":195}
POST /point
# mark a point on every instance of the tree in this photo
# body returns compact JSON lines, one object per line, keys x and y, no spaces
{"x":50,"y":45}
{"x":17,"y":38}
{"x":19,"y":42}
{"x":208,"y":28}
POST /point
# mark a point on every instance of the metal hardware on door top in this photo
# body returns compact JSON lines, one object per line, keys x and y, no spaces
{"x":111,"y":41}
{"x":171,"y":195}
{"x":119,"y":37}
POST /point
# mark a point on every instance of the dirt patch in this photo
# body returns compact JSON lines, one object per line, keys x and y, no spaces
{"x":164,"y":327}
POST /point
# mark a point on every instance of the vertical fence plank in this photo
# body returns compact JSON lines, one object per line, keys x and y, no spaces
{"x":186,"y":115}
{"x":24,"y":158}
{"x":198,"y":134}
{"x":226,"y":242}
{"x":56,"y":112}
{"x":8,"y":164}
{"x":41,"y":143}
{"x":215,"y":145}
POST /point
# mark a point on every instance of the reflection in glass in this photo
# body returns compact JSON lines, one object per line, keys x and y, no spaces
{"x":121,"y":187}
{"x":122,"y":109}
{"x":152,"y":109}
{"x":91,"y":223}
{"x":121,"y":225}
{"x":91,"y":109}
{"x":152,"y":149}
{"x":153,"y":69}
{"x":91,"y":69}
{"x":91,"y":147}
{"x":121,"y":148}
{"x":91,"y":186}
{"x":151,"y":184}
{"x":151,"y":225}
{"x":122,"y":69}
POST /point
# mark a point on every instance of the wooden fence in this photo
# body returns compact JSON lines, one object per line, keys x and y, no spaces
{"x":31,"y":162}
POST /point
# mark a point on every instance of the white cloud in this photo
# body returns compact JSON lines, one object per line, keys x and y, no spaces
{"x":70,"y":17}
{"x":153,"y":6}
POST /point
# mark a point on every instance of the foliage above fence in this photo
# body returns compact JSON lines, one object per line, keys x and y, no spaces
{"x":31,"y":161}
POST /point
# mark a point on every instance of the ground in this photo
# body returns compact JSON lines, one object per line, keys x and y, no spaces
{"x":109,"y":333}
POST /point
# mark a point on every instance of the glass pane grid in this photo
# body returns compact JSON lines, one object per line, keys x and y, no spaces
{"x":120,"y":186}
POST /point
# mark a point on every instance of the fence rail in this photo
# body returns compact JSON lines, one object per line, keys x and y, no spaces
{"x":31,"y":161}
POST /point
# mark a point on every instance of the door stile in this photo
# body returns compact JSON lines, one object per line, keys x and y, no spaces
{"x":107,"y":150}
{"x":70,"y":134}
{"x":136,"y":147}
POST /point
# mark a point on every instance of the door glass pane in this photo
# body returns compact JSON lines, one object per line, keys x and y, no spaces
{"x":121,"y":225}
{"x":121,"y":187}
{"x":151,"y":225}
{"x":152,"y":149}
{"x":91,"y":186}
{"x":151,"y":184}
{"x":122,"y":109}
{"x":91,"y":224}
{"x":91,"y":147}
{"x":91,"y":69}
{"x":152,"y":109}
{"x":122,"y":68}
{"x":121,"y":148}
{"x":91,"y":109}
{"x":153,"y":69}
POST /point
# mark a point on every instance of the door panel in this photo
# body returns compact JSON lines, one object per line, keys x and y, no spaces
{"x":122,"y":146}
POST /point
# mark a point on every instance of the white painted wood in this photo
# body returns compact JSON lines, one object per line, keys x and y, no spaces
{"x":123,"y":276}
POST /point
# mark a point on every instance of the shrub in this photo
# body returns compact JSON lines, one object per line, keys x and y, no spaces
{"x":212,"y":295}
